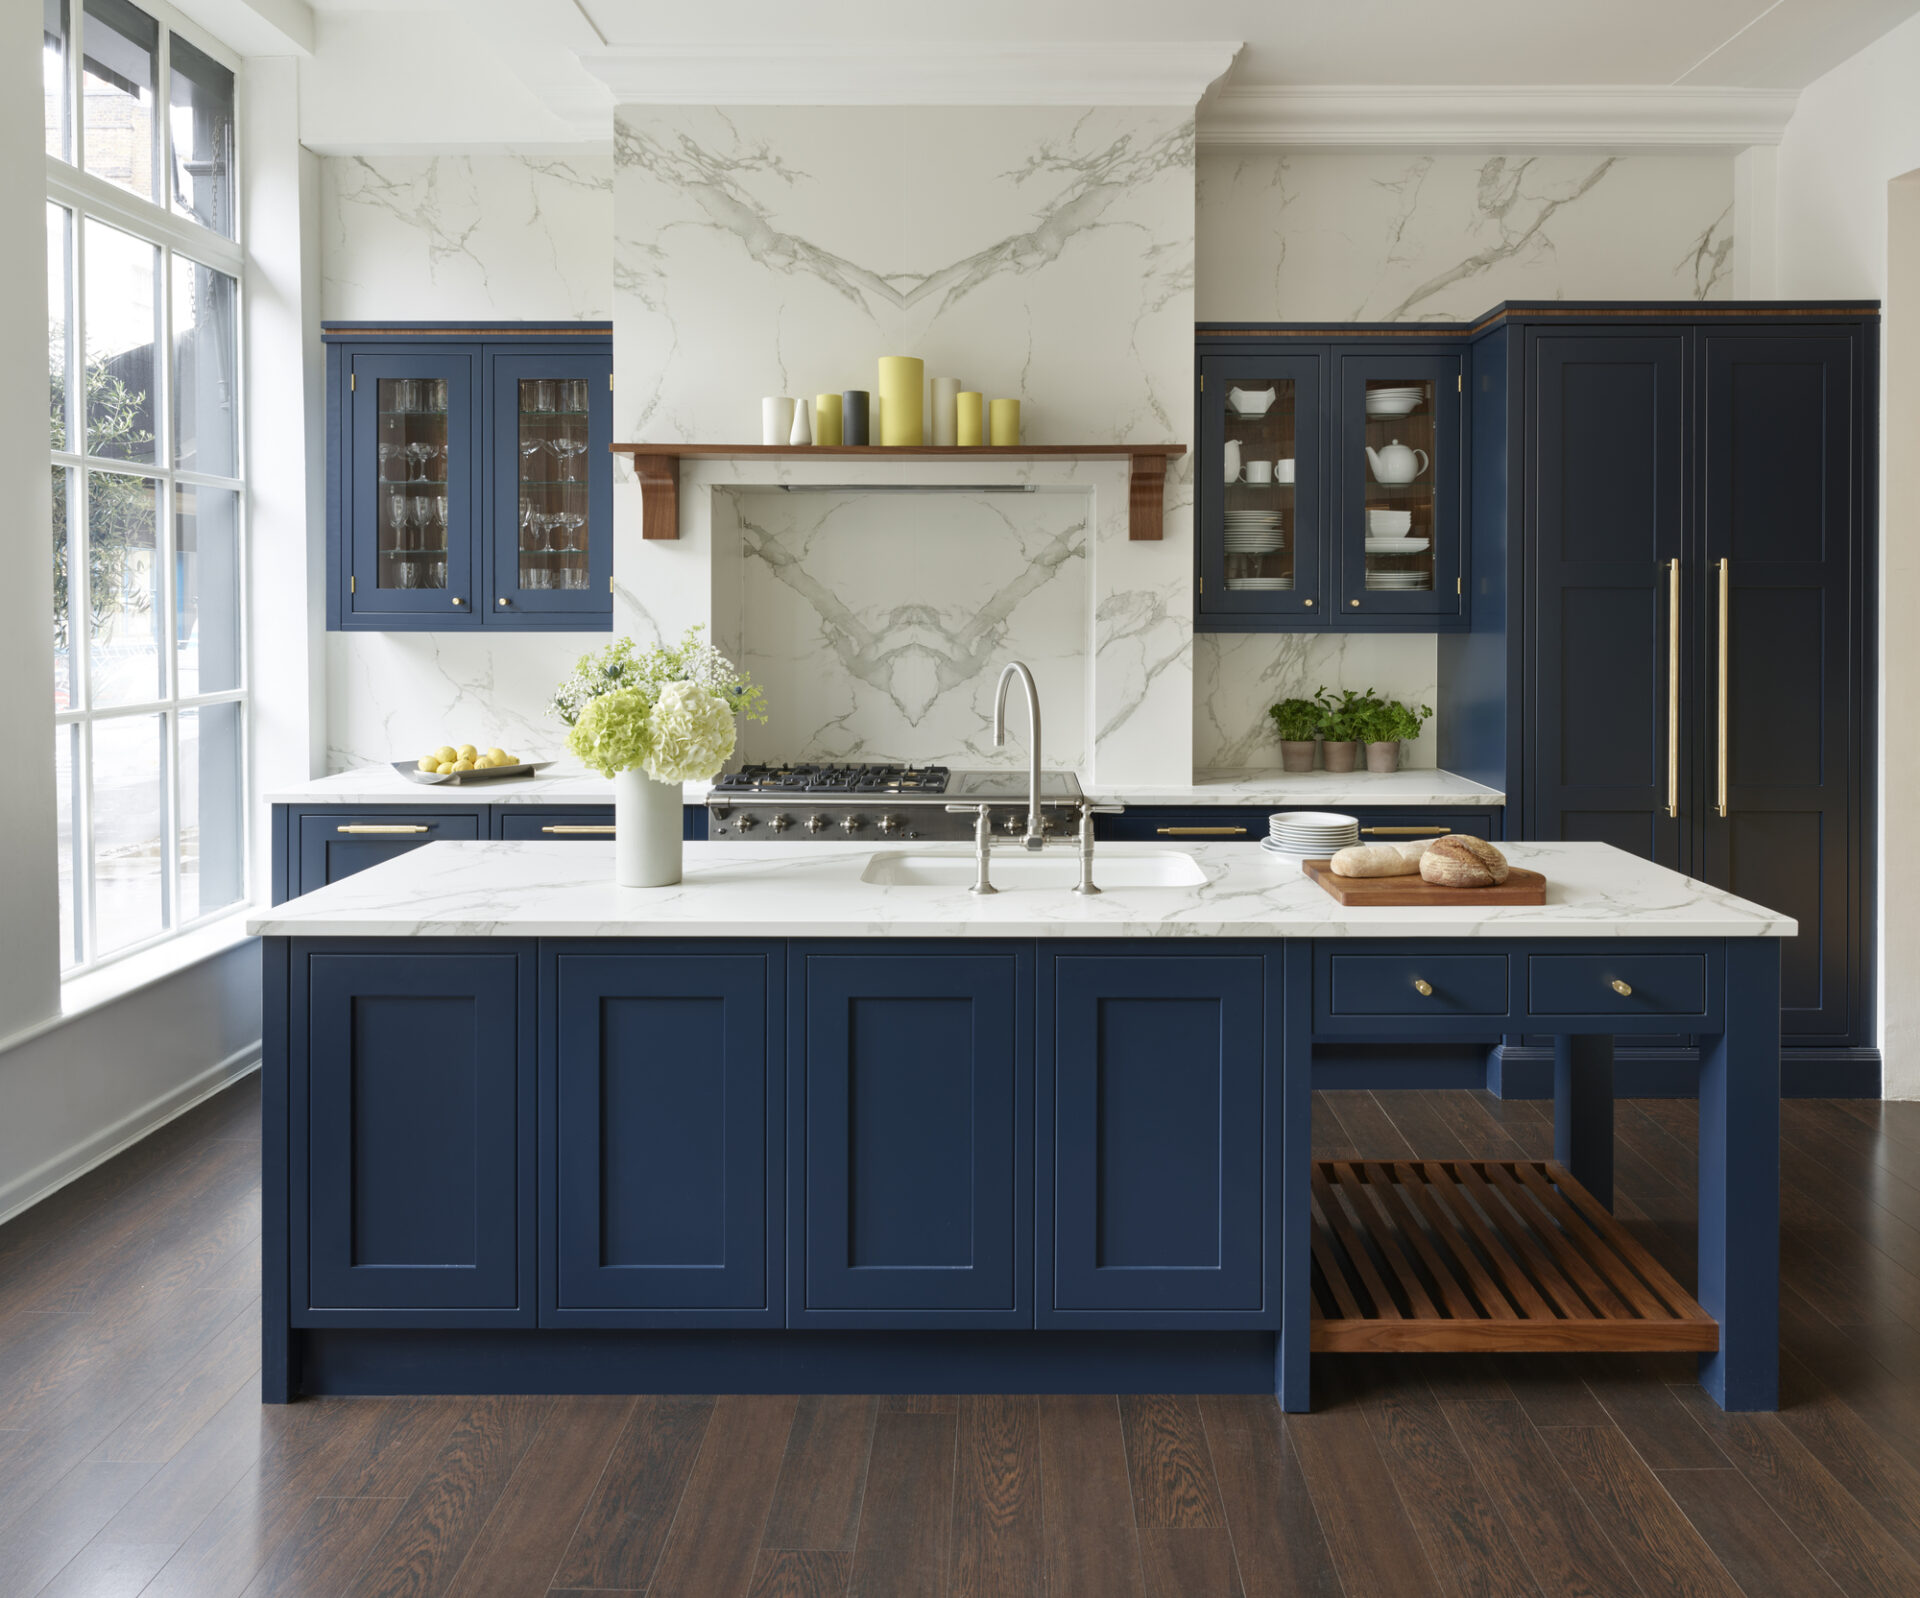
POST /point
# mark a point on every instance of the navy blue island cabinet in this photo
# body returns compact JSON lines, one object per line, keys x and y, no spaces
{"x":469,"y":476}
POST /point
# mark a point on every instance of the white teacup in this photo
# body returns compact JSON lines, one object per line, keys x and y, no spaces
{"x":1283,"y":471}
{"x":1259,"y":471}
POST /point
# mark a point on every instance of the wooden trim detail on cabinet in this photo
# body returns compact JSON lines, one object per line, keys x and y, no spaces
{"x":658,"y":468}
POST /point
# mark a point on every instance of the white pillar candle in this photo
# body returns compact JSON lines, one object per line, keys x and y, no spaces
{"x":776,"y":419}
{"x":946,"y":410}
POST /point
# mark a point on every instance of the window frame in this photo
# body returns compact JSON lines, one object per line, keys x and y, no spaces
{"x":182,"y":242}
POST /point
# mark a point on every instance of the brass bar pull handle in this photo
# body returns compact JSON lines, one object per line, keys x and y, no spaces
{"x":368,"y":827}
{"x":1403,"y":832}
{"x":605,"y":828}
{"x":1673,"y":688}
{"x":1201,"y":832}
{"x":1720,"y":735}
{"x":1422,"y":987}
{"x":1625,"y":990}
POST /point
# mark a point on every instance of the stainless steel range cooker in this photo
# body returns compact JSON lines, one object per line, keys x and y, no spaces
{"x":881,"y":802}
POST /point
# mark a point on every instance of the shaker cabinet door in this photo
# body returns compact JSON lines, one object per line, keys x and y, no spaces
{"x":912,"y":1136}
{"x":658,"y":1132}
{"x":1782,"y":495}
{"x":1609,"y":731}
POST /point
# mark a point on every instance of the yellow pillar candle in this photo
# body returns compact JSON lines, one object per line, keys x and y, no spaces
{"x":826,"y":418}
{"x":903,"y":382}
{"x":1004,"y":421}
{"x":967,"y":418}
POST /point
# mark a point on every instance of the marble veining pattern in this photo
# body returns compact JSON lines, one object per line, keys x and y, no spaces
{"x":1383,"y":235}
{"x":814,"y":889}
{"x":1237,"y":676}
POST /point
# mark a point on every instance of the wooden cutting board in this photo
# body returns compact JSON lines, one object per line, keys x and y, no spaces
{"x":1521,"y":887}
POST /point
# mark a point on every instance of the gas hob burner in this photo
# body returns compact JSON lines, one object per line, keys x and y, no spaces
{"x":860,"y":778}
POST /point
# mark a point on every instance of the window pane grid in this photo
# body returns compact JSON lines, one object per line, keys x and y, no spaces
{"x":149,"y":491}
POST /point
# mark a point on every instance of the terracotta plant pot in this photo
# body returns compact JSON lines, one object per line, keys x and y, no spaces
{"x":1383,"y":757}
{"x":1296,"y":754}
{"x":1340,"y":755}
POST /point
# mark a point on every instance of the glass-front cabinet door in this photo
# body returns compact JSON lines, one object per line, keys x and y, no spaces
{"x":1259,"y":499}
{"x":1396,"y":540}
{"x":552,"y":501}
{"x":411,"y":432}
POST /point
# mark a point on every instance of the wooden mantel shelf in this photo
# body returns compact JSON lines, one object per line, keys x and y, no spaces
{"x":658,"y":468}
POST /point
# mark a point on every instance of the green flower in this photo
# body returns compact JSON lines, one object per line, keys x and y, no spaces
{"x":615,"y":731}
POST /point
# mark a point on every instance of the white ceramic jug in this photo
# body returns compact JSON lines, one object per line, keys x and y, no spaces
{"x":1395,"y":463}
{"x":1233,"y":460}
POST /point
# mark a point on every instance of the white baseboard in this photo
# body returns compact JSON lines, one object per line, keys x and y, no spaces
{"x":29,"y":1188}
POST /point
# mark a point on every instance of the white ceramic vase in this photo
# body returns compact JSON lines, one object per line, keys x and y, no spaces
{"x":646,"y":830}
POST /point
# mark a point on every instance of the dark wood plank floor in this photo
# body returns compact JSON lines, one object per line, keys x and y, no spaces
{"x":135,"y":1457}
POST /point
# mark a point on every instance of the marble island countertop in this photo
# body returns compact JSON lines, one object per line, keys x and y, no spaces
{"x":813,"y":889}
{"x":1318,"y":790}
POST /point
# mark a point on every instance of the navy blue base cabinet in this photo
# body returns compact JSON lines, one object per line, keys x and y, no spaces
{"x":919,"y":1166}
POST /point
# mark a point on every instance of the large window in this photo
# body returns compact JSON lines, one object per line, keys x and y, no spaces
{"x":149,"y":493}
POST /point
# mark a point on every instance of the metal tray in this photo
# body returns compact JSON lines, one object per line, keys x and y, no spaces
{"x":434,"y":779}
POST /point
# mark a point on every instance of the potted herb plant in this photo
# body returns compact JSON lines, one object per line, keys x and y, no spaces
{"x":651,"y":720}
{"x":1385,"y":725}
{"x":1298,"y":723}
{"x":1342,"y":723}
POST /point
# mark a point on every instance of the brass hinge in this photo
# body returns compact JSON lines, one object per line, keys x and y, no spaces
{"x":1456,"y":585}
{"x":609,"y":382}
{"x":353,"y":381}
{"x":1203,"y":382}
{"x":1459,"y":382}
{"x":352,"y":585}
{"x":609,"y":582}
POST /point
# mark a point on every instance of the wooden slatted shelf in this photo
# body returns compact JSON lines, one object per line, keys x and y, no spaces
{"x":1485,"y":1256}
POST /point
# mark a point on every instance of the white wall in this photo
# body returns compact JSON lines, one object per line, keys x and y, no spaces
{"x":1404,"y":235}
{"x":1855,"y":133}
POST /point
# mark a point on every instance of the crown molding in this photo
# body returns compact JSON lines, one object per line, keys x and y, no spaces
{"x":880,"y":73}
{"x":1529,"y":116}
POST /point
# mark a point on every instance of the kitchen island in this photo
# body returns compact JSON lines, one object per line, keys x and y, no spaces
{"x":818,"y":1119}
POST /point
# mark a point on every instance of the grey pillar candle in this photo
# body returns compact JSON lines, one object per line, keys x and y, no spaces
{"x":853,"y":417}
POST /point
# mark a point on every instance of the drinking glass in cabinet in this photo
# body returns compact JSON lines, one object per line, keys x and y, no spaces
{"x":553,"y":483}
{"x":1399,"y":486}
{"x":1259,"y":524}
{"x":413,"y":476}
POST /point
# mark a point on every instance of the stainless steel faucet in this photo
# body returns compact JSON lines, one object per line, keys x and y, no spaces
{"x":1036,"y":832}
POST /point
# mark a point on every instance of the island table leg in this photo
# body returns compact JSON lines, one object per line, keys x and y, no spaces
{"x":1739,"y":1282}
{"x":1583,"y":1110}
{"x":1291,"y":1373}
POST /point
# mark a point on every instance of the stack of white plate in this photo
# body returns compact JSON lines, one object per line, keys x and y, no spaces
{"x":1395,"y":546}
{"x":1400,"y":582}
{"x":1264,"y":584}
{"x":1395,"y":401}
{"x":1254,"y":532}
{"x":1311,"y":834}
{"x":1389,"y":523}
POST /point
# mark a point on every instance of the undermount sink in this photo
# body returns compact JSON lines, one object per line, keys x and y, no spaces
{"x":1113,"y":867}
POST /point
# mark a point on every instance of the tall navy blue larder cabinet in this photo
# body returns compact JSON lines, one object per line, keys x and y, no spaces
{"x":1672,"y":511}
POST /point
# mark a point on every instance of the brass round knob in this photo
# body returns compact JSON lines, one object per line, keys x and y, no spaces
{"x":1309,"y":604}
{"x":456,"y":601}
{"x":1621,"y":988}
{"x":1423,"y":987}
{"x":1355,"y":603}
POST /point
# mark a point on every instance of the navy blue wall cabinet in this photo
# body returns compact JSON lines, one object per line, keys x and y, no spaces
{"x":1154,"y":1126}
{"x":661,"y":1098}
{"x":911,"y":1122}
{"x":470,"y":482}
{"x":1331,"y":480}
{"x":412,"y":1193}
{"x":1675,"y":505}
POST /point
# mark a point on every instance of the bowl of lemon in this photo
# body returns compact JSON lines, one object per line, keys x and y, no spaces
{"x":458,"y":763}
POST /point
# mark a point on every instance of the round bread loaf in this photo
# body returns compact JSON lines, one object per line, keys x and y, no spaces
{"x":1461,"y":861}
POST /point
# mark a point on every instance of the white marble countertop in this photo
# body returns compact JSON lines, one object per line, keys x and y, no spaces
{"x":813,"y":889}
{"x":1318,"y":790}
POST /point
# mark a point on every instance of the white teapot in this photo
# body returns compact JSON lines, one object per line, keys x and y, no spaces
{"x":1395,"y":463}
{"x":1233,"y":460}
{"x":1251,"y":401}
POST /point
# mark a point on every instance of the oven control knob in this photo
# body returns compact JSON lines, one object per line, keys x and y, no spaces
{"x":892,"y":824}
{"x":780,"y":823}
{"x":816,"y":822}
{"x":852,"y":821}
{"x":747,"y":822}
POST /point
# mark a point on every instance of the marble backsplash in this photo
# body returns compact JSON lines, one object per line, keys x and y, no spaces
{"x":1236,"y":676}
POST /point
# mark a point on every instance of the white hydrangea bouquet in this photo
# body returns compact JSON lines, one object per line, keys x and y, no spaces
{"x":652,"y":720}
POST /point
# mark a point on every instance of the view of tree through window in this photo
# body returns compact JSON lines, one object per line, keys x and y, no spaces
{"x":147,"y":540}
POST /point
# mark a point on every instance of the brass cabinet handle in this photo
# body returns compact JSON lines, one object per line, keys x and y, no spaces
{"x":1201,"y":832}
{"x":1673,"y":688}
{"x":1623,"y":989}
{"x":1720,"y":738}
{"x":369,"y":827}
{"x":606,"y":828}
{"x":1403,"y":832}
{"x":1423,"y":987}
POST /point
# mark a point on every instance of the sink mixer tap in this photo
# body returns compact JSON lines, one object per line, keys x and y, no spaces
{"x":1036,"y":829}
